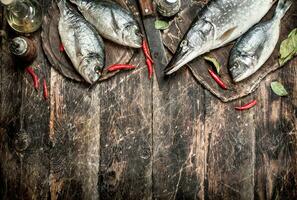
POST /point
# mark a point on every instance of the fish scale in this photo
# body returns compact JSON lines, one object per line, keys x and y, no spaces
{"x":254,"y":48}
{"x":218,"y":23}
{"x":82,"y":43}
{"x":112,"y":21}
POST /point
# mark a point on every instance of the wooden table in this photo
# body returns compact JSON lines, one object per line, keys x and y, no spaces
{"x":126,"y":139}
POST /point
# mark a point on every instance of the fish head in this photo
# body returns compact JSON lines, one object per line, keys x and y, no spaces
{"x":197,"y":41}
{"x":132,"y":36}
{"x":241,"y":67}
{"x":90,"y":69}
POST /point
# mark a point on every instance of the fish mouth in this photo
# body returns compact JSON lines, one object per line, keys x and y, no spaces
{"x":91,"y":79}
{"x":180,"y":59}
{"x":136,"y":44}
{"x":239,"y":71}
{"x":91,"y":72}
{"x":132,"y":36}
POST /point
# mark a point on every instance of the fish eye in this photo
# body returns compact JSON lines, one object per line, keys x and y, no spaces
{"x":236,"y":65}
{"x":184,"y":43}
{"x":97,"y":69}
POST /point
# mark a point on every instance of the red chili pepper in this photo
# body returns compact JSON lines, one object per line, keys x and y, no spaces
{"x":30,"y":71}
{"x":146,"y":51}
{"x":61,"y":48}
{"x":247,"y":106}
{"x":120,"y":67}
{"x":45,"y":91}
{"x":217,"y":79}
{"x":150,"y":67}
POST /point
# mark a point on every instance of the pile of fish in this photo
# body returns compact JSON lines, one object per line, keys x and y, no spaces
{"x":222,"y":21}
{"x":81,"y":34}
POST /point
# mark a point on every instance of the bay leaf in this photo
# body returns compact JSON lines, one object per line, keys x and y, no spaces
{"x":161,"y":25}
{"x":278,"y":89}
{"x":215,"y":63}
{"x":288,"y":48}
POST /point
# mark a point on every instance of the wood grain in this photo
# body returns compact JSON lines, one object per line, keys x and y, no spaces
{"x":24,"y":146}
{"x":74,"y":133}
{"x":179,"y":143}
{"x":127,"y":139}
{"x":231,"y":155}
{"x":276,"y":140}
{"x":146,"y":7}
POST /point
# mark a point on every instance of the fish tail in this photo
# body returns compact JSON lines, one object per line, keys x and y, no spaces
{"x":62,"y":6}
{"x":282,"y":7}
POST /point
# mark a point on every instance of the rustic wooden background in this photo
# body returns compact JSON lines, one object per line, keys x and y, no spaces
{"x":126,"y":139}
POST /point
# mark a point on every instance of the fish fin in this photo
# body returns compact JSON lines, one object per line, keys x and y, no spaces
{"x":77,"y":48}
{"x":115,"y":23}
{"x":226,"y":35}
{"x":282,"y":7}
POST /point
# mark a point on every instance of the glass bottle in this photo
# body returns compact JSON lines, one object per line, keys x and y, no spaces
{"x":168,"y":8}
{"x":24,"y":16}
{"x":23,"y":48}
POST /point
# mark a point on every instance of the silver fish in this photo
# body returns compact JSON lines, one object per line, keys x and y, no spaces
{"x":112,"y":21}
{"x":218,"y":23}
{"x":82,"y":43}
{"x":254,"y":48}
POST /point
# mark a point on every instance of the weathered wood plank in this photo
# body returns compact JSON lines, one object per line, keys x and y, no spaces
{"x":24,"y":126}
{"x":231,"y":155}
{"x":179,"y":142}
{"x":8,"y":121}
{"x":126,"y":135}
{"x":24,"y":143}
{"x":75,"y":134}
{"x":276,"y":141}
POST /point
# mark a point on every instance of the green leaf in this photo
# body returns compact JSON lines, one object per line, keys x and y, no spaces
{"x":278,"y":89}
{"x":215,"y":63}
{"x":161,"y":25}
{"x":288,"y":48}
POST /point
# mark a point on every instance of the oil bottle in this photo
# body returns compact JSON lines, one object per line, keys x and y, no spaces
{"x":23,"y":49}
{"x":24,"y":16}
{"x":168,"y":8}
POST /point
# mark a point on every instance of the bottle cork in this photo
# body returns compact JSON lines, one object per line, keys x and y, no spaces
{"x":23,"y":48}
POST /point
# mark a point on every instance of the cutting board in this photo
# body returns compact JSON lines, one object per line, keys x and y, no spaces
{"x":59,"y":60}
{"x":199,"y":68}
